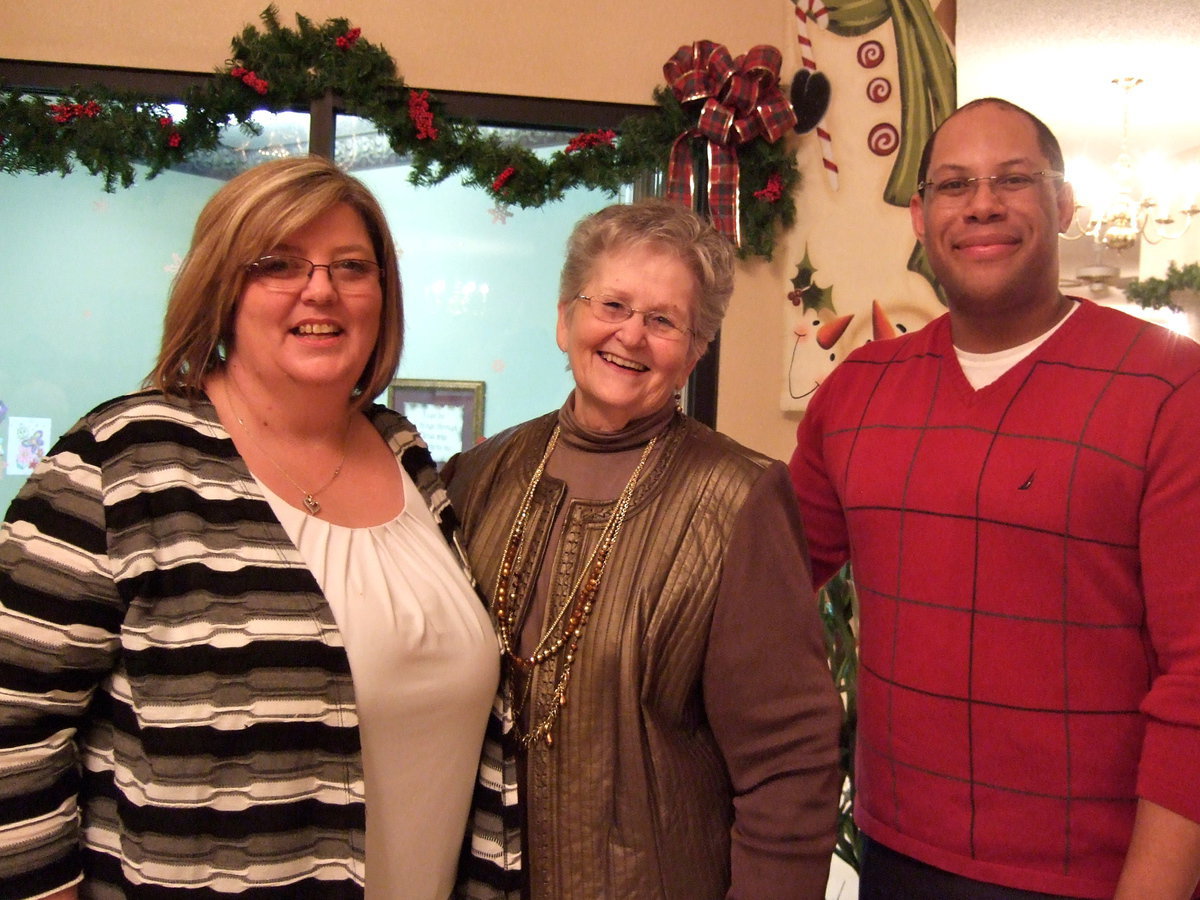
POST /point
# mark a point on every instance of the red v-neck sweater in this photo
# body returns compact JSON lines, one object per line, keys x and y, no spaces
{"x":1027,"y":558}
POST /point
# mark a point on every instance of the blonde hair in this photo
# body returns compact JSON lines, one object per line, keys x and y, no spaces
{"x":251,"y":214}
{"x":674,"y":229}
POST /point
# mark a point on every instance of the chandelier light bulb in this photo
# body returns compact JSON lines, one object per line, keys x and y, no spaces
{"x":1133,"y":199}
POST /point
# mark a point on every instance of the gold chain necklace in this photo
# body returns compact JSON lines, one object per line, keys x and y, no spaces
{"x":309,"y":497}
{"x":507,"y":597}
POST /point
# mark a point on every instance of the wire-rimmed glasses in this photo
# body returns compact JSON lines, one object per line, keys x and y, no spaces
{"x":291,"y":273}
{"x":614,"y":311}
{"x":960,"y":188}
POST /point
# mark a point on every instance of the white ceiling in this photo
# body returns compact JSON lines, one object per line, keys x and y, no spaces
{"x":1058,"y":59}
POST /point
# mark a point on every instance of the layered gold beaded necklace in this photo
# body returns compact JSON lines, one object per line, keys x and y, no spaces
{"x":559,"y":637}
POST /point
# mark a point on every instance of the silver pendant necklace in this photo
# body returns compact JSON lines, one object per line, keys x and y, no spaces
{"x":309,"y":497}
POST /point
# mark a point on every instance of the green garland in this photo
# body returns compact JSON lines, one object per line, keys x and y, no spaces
{"x":277,"y":69}
{"x":1155,"y":293}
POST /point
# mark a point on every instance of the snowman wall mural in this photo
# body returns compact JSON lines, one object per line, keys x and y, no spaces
{"x":874,"y":78}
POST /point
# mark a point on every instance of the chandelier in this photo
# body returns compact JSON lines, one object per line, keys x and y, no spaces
{"x":1119,"y":212}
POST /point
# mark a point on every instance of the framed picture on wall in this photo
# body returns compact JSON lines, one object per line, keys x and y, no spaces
{"x":449,"y":414}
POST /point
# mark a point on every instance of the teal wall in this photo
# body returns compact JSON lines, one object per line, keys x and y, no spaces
{"x":480,"y":295}
{"x":86,"y":275}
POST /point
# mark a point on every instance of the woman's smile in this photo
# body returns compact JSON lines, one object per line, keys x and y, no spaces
{"x":622,"y":371}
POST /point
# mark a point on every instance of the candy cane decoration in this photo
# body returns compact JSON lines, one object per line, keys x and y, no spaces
{"x":815,"y":10}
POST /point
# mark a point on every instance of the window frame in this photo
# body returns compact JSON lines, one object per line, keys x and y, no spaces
{"x":505,"y":110}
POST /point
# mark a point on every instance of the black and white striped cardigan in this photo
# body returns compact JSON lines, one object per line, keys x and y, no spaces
{"x":176,"y":708}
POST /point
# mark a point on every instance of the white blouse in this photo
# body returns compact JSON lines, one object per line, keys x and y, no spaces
{"x":425,"y":663}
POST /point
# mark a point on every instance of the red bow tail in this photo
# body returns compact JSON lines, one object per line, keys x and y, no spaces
{"x":716,"y":124}
{"x":681,"y":175}
{"x":742,"y":101}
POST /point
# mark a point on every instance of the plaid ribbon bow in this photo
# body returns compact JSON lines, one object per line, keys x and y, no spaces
{"x":741,"y":101}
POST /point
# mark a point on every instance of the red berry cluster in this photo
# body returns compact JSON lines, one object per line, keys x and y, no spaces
{"x":773,"y":190}
{"x":502,"y":179}
{"x":421,"y":115}
{"x":66,"y":112}
{"x":250,"y":79}
{"x":174,"y":138}
{"x":602,"y":138}
{"x":349,"y":39}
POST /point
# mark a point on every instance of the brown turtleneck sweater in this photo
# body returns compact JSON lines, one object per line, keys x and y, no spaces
{"x":587,"y":477}
{"x":696,"y":755}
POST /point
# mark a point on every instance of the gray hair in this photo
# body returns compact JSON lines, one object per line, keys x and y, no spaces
{"x":674,"y":229}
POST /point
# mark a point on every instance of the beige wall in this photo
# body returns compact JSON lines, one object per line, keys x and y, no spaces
{"x":611,"y":50}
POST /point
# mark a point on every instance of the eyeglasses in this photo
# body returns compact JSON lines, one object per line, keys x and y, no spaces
{"x":291,"y":273}
{"x":959,"y":189}
{"x":659,"y":324}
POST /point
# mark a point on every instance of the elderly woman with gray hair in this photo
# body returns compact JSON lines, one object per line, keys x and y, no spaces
{"x":649,"y":581}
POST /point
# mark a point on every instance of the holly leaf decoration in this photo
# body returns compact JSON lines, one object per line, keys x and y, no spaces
{"x":806,"y":293}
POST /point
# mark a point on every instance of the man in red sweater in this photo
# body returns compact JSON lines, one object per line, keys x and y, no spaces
{"x":1017,"y":487}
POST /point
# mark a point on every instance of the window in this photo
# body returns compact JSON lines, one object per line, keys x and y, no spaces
{"x":88,"y":272}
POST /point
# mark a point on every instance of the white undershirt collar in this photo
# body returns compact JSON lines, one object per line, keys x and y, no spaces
{"x":982,"y":369}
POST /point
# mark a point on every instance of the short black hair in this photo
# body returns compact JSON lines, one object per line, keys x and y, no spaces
{"x":1047,"y":142}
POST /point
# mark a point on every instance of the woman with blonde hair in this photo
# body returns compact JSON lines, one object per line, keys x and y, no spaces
{"x":240,"y":649}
